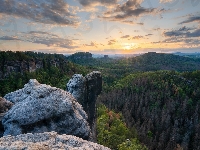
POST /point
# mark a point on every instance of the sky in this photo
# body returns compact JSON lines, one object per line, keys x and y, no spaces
{"x":100,"y":26}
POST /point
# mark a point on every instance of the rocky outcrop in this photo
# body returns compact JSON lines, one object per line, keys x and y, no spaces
{"x":16,"y":66}
{"x":19,"y":67}
{"x":4,"y":107}
{"x":85,"y":90}
{"x":46,"y":141}
{"x":41,"y":108}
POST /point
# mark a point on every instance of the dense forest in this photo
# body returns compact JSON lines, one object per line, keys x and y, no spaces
{"x":148,"y":102}
{"x":163,"y":106}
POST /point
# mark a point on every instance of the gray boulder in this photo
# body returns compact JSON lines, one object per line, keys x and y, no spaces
{"x":41,"y":108}
{"x":46,"y":141}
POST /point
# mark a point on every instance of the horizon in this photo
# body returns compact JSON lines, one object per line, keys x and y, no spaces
{"x":121,"y":27}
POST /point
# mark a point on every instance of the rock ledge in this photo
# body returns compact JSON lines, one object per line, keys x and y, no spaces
{"x":46,"y":141}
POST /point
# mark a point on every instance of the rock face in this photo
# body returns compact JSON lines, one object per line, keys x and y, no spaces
{"x":85,"y":90}
{"x":4,"y":107}
{"x":46,"y":141}
{"x":41,"y":108}
{"x":19,"y":67}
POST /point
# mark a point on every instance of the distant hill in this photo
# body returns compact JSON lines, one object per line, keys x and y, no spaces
{"x":191,"y":55}
{"x":147,"y":62}
{"x":87,"y":59}
{"x":158,"y":61}
{"x":113,"y":69}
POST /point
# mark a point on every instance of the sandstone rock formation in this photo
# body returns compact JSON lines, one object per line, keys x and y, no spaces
{"x":19,"y":67}
{"x":4,"y":107}
{"x":46,"y":141}
{"x":41,"y":108}
{"x":85,"y":90}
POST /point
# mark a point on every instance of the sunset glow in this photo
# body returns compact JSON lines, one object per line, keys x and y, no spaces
{"x":109,"y":27}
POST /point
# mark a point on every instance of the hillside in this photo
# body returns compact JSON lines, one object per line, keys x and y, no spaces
{"x":163,"y":106}
{"x":113,"y":69}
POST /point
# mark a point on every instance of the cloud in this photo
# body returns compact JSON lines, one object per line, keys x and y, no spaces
{"x":137,"y":37}
{"x":42,"y":33}
{"x":196,"y":33}
{"x":112,"y":42}
{"x":149,"y":34}
{"x":45,"y":38}
{"x":140,"y":23}
{"x":191,"y":19}
{"x":131,"y":9}
{"x":184,"y":31}
{"x":125,"y":36}
{"x":165,"y":1}
{"x":93,"y":44}
{"x":8,"y":38}
{"x":54,"y":12}
{"x":132,"y":37}
{"x":181,"y":40}
{"x":89,"y":3}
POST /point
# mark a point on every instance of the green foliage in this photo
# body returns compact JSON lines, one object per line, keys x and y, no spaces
{"x":132,"y":144}
{"x":149,"y":134}
{"x":112,"y":131}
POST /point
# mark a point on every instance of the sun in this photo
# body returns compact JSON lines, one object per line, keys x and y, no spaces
{"x":128,"y":46}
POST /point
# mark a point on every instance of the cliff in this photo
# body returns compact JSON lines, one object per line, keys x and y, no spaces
{"x":20,"y":62}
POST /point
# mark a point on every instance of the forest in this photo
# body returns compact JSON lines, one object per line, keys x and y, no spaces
{"x":148,"y":102}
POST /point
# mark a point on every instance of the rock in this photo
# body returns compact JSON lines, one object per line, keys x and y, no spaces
{"x":4,"y":107}
{"x":46,"y":141}
{"x":93,"y":89}
{"x":85,"y":90}
{"x":41,"y":108}
{"x":77,"y":87}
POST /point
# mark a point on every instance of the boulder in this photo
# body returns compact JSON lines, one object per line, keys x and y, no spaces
{"x":41,"y":108}
{"x":46,"y":141}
